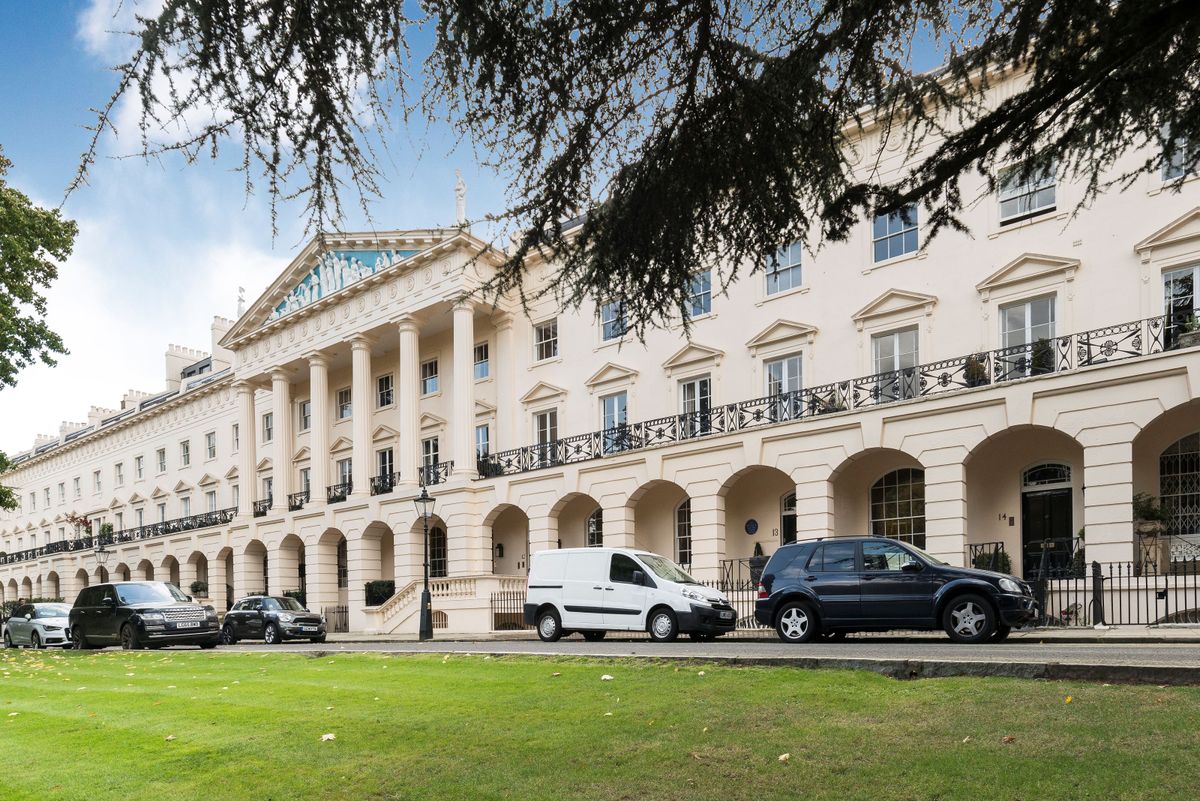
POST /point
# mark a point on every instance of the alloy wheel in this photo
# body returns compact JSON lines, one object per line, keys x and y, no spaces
{"x":794,"y":622}
{"x":35,"y":640}
{"x":969,"y":619}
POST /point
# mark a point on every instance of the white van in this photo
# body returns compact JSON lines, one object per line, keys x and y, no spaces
{"x":594,"y":590}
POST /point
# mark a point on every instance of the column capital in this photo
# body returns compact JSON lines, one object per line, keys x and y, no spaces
{"x":463,"y":303}
{"x":244,"y":386}
{"x":317,"y":358}
{"x":279,"y":374}
{"x":407,"y":323}
{"x":361,"y":341}
{"x":502,"y":321}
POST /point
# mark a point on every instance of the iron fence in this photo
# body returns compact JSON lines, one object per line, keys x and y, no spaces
{"x":1120,"y":594}
{"x":337,"y":619}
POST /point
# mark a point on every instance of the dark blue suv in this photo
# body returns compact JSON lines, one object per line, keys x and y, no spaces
{"x":833,"y":586}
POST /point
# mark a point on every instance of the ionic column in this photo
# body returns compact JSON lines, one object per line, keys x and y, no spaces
{"x":463,"y":425}
{"x":318,"y":437}
{"x":503,"y":361}
{"x":281,"y":410}
{"x":360,"y":400}
{"x":408,"y":379}
{"x":247,"y":437}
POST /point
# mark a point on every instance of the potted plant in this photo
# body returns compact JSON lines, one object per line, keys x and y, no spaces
{"x":1189,"y":335}
{"x":1149,"y":525}
{"x":1041,"y":357}
{"x":199,"y":589}
{"x":974,"y":371}
{"x":997,"y":560}
{"x":758,"y":562}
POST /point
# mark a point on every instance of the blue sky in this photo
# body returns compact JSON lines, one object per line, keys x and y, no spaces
{"x":163,"y":246}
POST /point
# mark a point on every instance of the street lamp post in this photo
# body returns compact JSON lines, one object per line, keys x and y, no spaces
{"x":424,"y":504}
{"x":101,"y":552}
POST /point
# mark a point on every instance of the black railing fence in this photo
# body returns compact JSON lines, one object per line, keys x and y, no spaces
{"x":437,"y":473}
{"x":1045,"y":356}
{"x":989,"y":556}
{"x":262,"y":507}
{"x":297,"y":500}
{"x":337,"y":619}
{"x":336,"y":493}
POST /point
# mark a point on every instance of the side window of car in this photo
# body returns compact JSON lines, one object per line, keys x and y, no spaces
{"x":833,"y":557}
{"x":622,"y":569}
{"x":270,"y":605}
{"x":253,"y":605}
{"x":109,"y":593}
{"x":883,"y":556}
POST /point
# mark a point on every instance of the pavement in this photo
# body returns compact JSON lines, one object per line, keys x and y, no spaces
{"x":1171,"y":660}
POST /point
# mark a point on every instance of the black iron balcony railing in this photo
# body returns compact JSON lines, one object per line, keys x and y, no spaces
{"x":336,"y":493}
{"x":1044,"y":356}
{"x":297,"y":500}
{"x":381,"y":485}
{"x":262,"y":507}
{"x":437,"y":473}
{"x":180,"y":524}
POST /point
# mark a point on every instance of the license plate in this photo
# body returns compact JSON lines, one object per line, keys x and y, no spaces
{"x":727,"y":616}
{"x":308,"y":628}
{"x":188,"y":624}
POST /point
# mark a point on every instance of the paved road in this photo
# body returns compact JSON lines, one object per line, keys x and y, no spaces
{"x":1177,"y":663}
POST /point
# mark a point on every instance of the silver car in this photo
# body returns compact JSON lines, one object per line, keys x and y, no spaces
{"x":38,"y":626}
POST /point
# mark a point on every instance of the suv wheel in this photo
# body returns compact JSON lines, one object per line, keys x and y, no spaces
{"x":969,"y":619}
{"x":796,"y":622}
{"x":130,"y":641}
{"x":663,"y":625}
{"x":271,"y":636}
{"x":78,"y":641}
{"x":549,"y":627}
{"x":227,"y":637}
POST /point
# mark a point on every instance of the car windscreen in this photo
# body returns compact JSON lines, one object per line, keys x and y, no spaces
{"x":933,"y":560}
{"x":51,"y":610}
{"x":289,"y":604}
{"x":149,"y":594}
{"x":666,"y":569}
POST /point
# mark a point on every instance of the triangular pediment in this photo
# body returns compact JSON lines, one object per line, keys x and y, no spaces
{"x":341,"y":444}
{"x":1029,"y":267}
{"x":159,"y":492}
{"x":483,"y":407}
{"x":263,"y":464}
{"x":231,"y":474}
{"x":301,"y":455}
{"x":782,"y":331}
{"x":895,"y":301}
{"x":1183,"y":230}
{"x":182,"y":486}
{"x":429,"y":421}
{"x":610,"y":374}
{"x":135,"y":498}
{"x":58,"y":518}
{"x":542,"y":391}
{"x":383,"y":433}
{"x":692,"y":355}
{"x":207,"y":480}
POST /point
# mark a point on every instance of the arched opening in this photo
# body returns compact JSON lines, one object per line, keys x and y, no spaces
{"x":14,"y":592}
{"x":198,"y":569}
{"x":509,"y":528}
{"x":51,"y":586}
{"x":121,"y":572}
{"x":169,"y":570}
{"x":101,"y":574}
{"x":327,"y":578}
{"x":760,"y":512}
{"x":81,"y":580}
{"x":291,"y":567}
{"x":145,"y":570}
{"x":1166,"y":472}
{"x":656,"y":518}
{"x":580,"y":521}
{"x":38,"y":591}
{"x":253,"y":569}
{"x":26,"y":589}
{"x":220,"y":571}
{"x":867,"y":495}
{"x":1179,"y":499}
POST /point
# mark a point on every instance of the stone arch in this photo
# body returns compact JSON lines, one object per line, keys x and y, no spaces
{"x":508,"y":537}
{"x":290,"y":565}
{"x":169,"y":571}
{"x":439,"y":562}
{"x":145,"y":570}
{"x":52,"y":586}
{"x":327,"y":580}
{"x":760,"y":509}
{"x":26,"y":591}
{"x":656,"y":516}
{"x":998,"y":500}
{"x":579,"y":519}
{"x":221,"y":571}
{"x":853,"y":481}
{"x":252,"y":570}
{"x":1166,"y":465}
{"x":121,"y":572}
{"x":14,"y":591}
{"x":101,"y":574}
{"x":81,"y":579}
{"x":195,"y":568}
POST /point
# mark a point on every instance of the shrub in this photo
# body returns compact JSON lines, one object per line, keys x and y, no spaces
{"x":378,"y":592}
{"x":998,"y":561}
{"x":1145,"y":507}
{"x":199,"y":588}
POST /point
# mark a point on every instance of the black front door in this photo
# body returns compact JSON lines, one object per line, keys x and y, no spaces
{"x":1046,"y":531}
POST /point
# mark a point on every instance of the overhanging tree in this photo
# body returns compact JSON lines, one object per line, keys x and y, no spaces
{"x":693,"y":133}
{"x":32,"y":241}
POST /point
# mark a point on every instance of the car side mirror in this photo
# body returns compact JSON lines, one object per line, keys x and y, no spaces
{"x":911,"y":566}
{"x":639,"y":578}
{"x":108,"y":602}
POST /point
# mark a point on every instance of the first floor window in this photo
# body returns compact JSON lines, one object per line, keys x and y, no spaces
{"x":268,"y":427}
{"x":429,"y":452}
{"x":695,"y":406}
{"x":545,"y":340}
{"x":139,"y":515}
{"x":895,"y":233}
{"x":210,"y":501}
{"x":683,"y":533}
{"x":594,"y":535}
{"x":305,"y":479}
{"x":119,"y":520}
{"x":898,"y":506}
{"x":783,"y":269}
{"x":483,"y":441}
{"x":1181,"y":301}
{"x":235,"y":495}
{"x":545,"y":427}
{"x":614,"y":418}
{"x":344,"y":471}
{"x":384,"y":393}
{"x":429,"y":377}
{"x":343,"y":404}
{"x":612,"y":320}
{"x":482,"y":363}
{"x":783,"y":375}
{"x":1027,"y":337}
{"x":185,"y":507}
{"x":384,"y":462}
{"x":895,"y":357}
{"x":1026,"y":190}
{"x":267,"y":485}
{"x":699,"y":301}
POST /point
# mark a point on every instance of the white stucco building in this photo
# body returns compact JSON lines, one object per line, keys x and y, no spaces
{"x":1018,"y":384}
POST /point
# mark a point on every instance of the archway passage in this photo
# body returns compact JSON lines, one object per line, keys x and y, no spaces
{"x":881,"y":492}
{"x":662,"y":520}
{"x":580,"y":522}
{"x":51,"y":586}
{"x":760,"y":512}
{"x":1024,"y":501}
{"x":290,"y":565}
{"x":169,"y":571}
{"x":1179,"y":497}
{"x":509,"y":526}
{"x":254,"y":577}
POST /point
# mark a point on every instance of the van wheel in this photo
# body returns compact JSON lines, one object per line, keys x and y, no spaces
{"x":796,"y":623}
{"x":969,"y":619}
{"x":663,"y":626}
{"x":549,"y":627}
{"x":594,"y":636}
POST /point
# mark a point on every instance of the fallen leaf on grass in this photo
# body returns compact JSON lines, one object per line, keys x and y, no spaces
{"x":552,"y":675}
{"x":1008,"y":739}
{"x":606,"y":714}
{"x":784,"y":757}
{"x":169,"y":737}
{"x":1067,"y":700}
{"x":606,"y":677}
{"x":967,"y":739}
{"x":327,"y":737}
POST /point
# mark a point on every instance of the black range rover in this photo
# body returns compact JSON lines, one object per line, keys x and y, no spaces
{"x":140,"y":614}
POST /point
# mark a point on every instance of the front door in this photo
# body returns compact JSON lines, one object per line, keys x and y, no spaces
{"x":1046,"y":531}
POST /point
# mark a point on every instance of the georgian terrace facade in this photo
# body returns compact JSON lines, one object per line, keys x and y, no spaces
{"x":1017,"y":385}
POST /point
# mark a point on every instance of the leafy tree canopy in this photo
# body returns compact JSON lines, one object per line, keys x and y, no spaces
{"x":693,"y":133}
{"x":32,"y":241}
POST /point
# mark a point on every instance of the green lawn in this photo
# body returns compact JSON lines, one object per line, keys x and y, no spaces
{"x":249,"y":726}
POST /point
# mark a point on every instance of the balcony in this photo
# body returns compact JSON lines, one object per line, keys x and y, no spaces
{"x":381,"y":485}
{"x":86,"y":543}
{"x":336,"y":493}
{"x":436,"y":473}
{"x":297,"y":500}
{"x":1044,"y":357}
{"x":262,"y":507}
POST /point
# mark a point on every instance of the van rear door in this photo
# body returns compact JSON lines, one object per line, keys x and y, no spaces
{"x":583,"y":590}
